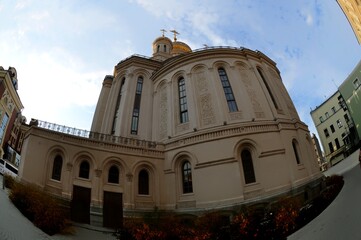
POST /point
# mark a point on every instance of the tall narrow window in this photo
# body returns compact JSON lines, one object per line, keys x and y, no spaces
{"x":187,"y":177}
{"x":337,"y":143}
{"x":117,"y":110}
{"x":326,"y":132}
{"x":113,"y":175}
{"x":57,"y":166}
{"x":143,"y":182}
{"x":330,"y":146}
{"x":3,"y":126}
{"x":268,"y":88}
{"x":339,"y":123}
{"x":232,"y":105}
{"x":295,"y":150}
{"x":136,"y":109}
{"x":247,"y":164}
{"x":183,"y":108}
{"x":84,"y":169}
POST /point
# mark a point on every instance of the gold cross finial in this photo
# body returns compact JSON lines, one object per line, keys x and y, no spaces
{"x":163,"y":31}
{"x":175,"y":34}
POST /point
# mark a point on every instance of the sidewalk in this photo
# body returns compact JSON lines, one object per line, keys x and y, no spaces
{"x":341,"y":219}
{"x":14,"y":226}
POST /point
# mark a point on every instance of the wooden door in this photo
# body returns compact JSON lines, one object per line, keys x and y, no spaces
{"x":112,"y":210}
{"x":80,"y":204}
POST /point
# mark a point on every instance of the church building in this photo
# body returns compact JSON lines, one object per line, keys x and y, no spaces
{"x":184,"y":131}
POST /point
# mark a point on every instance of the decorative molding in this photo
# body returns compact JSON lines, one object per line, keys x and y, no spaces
{"x":98,"y":172}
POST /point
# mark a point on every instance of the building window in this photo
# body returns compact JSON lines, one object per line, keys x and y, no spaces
{"x":321,"y":119}
{"x":165,"y":48}
{"x":339,"y":123}
{"x":333,"y":109}
{"x":330,"y":146}
{"x":332,"y":128}
{"x":268,"y":88}
{"x":247,"y":164}
{"x":183,"y":108}
{"x":113,"y":174}
{"x":187,"y":177}
{"x":117,"y":110}
{"x":337,"y":143}
{"x":158,"y":48}
{"x":295,"y":150}
{"x":326,"y":132}
{"x":327,"y":115}
{"x":347,"y":119}
{"x":143,"y":182}
{"x":3,"y":126}
{"x":232,"y":105}
{"x":136,"y":109}
{"x":356,"y":83}
{"x":57,"y":166}
{"x":84,"y":169}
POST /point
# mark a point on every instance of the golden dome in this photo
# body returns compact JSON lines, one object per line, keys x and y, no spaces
{"x":180,"y":47}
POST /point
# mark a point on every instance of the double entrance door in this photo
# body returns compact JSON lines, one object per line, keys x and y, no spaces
{"x":112,"y":207}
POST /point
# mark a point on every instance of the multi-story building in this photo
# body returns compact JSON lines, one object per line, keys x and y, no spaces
{"x":350,"y":91}
{"x":183,"y":131}
{"x":10,"y":116}
{"x":331,"y":121}
{"x":320,"y":158}
{"x":352,"y":10}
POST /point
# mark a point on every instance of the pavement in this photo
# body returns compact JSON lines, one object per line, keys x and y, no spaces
{"x":14,"y":226}
{"x":341,"y":220}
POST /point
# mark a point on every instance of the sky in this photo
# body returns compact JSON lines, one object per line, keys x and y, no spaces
{"x":62,"y":49}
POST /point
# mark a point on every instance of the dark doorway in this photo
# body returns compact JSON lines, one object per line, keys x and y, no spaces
{"x":112,"y":210}
{"x":80,"y":205}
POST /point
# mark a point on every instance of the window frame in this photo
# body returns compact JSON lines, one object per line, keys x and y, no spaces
{"x":187,"y":182}
{"x":84,"y":173}
{"x":113,"y":176}
{"x":227,"y":89}
{"x":57,"y":168}
{"x":136,"y":108}
{"x":143,"y":182}
{"x":182,"y":100}
{"x":248,"y":166}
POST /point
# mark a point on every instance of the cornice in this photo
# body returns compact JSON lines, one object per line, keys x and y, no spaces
{"x":208,"y":53}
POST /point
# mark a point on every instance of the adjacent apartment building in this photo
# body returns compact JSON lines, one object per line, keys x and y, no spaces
{"x":12,"y":129}
{"x":331,"y":121}
{"x":350,"y":91}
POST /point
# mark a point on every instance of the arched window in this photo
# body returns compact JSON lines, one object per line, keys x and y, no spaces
{"x":247,"y":164}
{"x":187,"y":177}
{"x":136,"y":108}
{"x":183,"y":108}
{"x":143,"y":182}
{"x":117,"y":110}
{"x":158,"y":48}
{"x":165,"y":48}
{"x":57,"y":166}
{"x":268,"y":88}
{"x":295,"y":150}
{"x":84,"y":169}
{"x":232,"y":105}
{"x":113,"y":174}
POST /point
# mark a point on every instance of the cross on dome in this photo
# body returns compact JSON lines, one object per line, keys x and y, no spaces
{"x":175,"y":34}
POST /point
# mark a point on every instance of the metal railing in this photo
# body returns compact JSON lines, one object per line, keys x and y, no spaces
{"x":92,"y":135}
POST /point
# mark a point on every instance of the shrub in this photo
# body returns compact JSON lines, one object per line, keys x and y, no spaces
{"x":39,"y":207}
{"x":8,"y":181}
